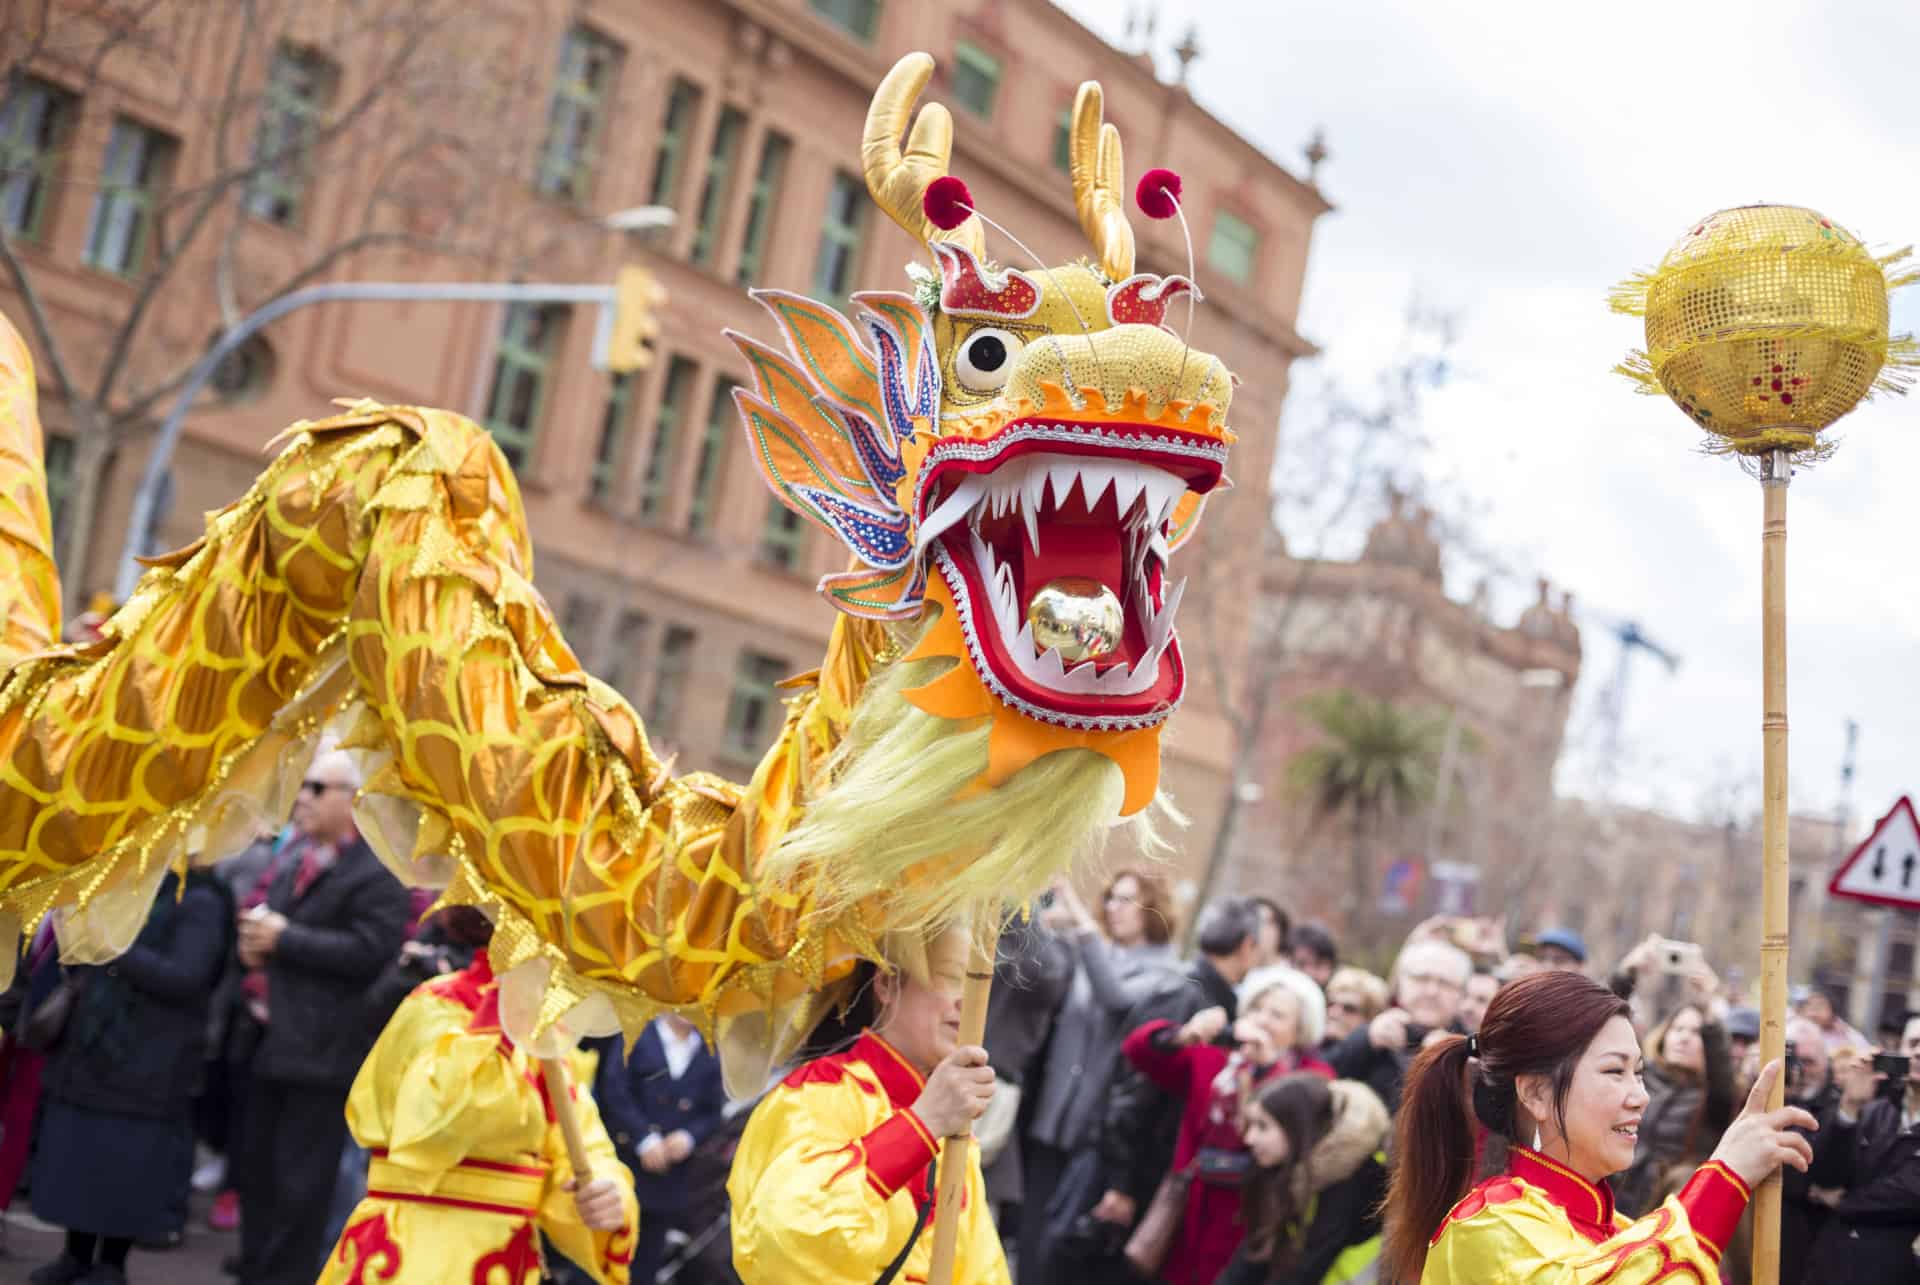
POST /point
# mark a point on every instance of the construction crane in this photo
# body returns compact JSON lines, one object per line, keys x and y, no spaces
{"x":1612,"y":708}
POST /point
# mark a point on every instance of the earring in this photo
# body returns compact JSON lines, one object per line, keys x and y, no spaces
{"x":1536,"y":1137}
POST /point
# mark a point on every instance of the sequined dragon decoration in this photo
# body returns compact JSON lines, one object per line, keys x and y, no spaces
{"x":1011,"y":456}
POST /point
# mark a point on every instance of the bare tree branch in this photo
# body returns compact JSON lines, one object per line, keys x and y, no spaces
{"x":37,"y":317}
{"x":211,"y":194}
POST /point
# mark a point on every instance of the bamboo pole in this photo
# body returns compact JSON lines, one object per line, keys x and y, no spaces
{"x":1776,"y":472}
{"x":555,"y":1075}
{"x":953,"y":1154}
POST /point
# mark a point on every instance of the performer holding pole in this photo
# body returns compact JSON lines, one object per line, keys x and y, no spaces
{"x":1551,"y":1070}
{"x":472,"y":1161}
{"x":1765,"y":324}
{"x":835,"y":1176}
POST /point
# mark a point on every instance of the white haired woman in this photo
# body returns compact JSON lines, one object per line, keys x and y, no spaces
{"x":1282,"y":1014}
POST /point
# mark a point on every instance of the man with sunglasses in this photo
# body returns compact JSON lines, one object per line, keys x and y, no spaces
{"x":332,"y":919}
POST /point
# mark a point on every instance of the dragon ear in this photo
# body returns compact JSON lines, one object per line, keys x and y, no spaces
{"x":1185,"y":520}
{"x":806,"y":481}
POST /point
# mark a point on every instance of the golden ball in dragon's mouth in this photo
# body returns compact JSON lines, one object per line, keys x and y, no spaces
{"x":1079,"y":615}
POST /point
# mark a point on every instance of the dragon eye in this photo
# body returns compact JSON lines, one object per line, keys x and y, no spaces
{"x":986,"y":359}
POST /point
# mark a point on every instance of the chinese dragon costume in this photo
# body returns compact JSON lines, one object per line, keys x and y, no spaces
{"x":1012,"y":457}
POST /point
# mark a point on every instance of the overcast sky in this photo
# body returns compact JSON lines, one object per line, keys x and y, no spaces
{"x":1510,"y":162}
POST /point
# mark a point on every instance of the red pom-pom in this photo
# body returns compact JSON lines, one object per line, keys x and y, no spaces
{"x":947,"y":203}
{"x":1158,"y":194}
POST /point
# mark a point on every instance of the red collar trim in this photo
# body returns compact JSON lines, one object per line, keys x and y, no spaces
{"x":474,"y":989}
{"x":1583,"y":1200}
{"x":896,"y":1075}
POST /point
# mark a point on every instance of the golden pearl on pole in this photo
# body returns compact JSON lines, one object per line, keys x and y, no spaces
{"x":1078,"y":615}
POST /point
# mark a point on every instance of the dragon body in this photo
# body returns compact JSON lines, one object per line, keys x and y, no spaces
{"x":987,"y":435}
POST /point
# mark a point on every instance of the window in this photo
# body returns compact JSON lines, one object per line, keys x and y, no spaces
{"x":528,"y":343}
{"x":137,"y":163}
{"x":581,"y":88}
{"x":840,"y":236}
{"x":666,"y":433}
{"x":683,"y":106}
{"x":579,"y":624}
{"x":1063,"y":142}
{"x":706,"y":470}
{"x":719,"y":183}
{"x":59,"y":461}
{"x":781,"y":538}
{"x":299,"y":87}
{"x":623,"y":667}
{"x":33,"y":125}
{"x":753,"y":711}
{"x":613,"y":430}
{"x":1233,"y":247}
{"x":766,"y":191}
{"x":669,"y":681}
{"x":855,"y":17}
{"x":976,"y":77}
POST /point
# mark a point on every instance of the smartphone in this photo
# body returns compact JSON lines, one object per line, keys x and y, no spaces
{"x":1895,"y":1068}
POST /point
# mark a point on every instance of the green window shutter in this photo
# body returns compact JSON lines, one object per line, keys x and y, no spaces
{"x":576,"y":114}
{"x":665,"y":447}
{"x":1233,"y":248}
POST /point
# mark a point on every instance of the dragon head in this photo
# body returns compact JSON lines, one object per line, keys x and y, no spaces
{"x":1021,"y":451}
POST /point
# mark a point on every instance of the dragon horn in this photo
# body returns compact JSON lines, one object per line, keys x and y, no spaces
{"x":898,"y":181}
{"x":1099,"y":182}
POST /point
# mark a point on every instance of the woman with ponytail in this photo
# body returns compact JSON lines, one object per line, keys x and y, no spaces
{"x":1556,"y":1070}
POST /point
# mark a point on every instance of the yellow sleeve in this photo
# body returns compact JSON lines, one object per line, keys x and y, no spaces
{"x":1528,"y":1241}
{"x":423,"y":1074}
{"x":604,"y":1255}
{"x":818,"y":1190}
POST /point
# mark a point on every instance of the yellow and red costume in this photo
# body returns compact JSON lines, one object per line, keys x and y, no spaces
{"x":469,"y":1165}
{"x":1540,"y":1222}
{"x":832,"y":1173}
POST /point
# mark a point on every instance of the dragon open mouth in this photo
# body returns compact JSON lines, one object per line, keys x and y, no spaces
{"x":1086,"y":505}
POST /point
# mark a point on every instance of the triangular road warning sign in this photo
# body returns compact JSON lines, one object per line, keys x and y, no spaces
{"x":1885,"y":870}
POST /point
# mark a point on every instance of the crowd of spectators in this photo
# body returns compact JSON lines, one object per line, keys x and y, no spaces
{"x":1221,"y":1113}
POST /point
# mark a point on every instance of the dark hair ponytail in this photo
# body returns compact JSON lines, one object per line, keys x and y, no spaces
{"x":1539,"y":1025}
{"x":1433,"y":1155}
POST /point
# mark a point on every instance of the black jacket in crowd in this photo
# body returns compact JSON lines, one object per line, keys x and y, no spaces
{"x":134,"y":1042}
{"x":1801,"y":1217}
{"x":1870,"y":1235}
{"x":1142,"y":1121}
{"x":339,"y":937}
{"x":638,"y":1096}
{"x":1382,"y":1070}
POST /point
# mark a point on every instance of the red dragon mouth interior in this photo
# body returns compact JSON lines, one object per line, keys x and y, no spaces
{"x":1041,"y":501}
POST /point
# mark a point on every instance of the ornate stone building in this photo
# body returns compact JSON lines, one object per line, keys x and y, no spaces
{"x":1383,"y":625}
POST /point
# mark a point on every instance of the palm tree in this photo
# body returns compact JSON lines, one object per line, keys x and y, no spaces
{"x":1375,"y":760}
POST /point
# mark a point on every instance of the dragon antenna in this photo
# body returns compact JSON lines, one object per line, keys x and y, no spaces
{"x":1158,"y":197}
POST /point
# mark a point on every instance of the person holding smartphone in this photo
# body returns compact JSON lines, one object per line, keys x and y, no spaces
{"x":1870,"y":1150}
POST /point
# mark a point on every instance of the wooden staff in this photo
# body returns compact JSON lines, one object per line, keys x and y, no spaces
{"x":953,"y":1156}
{"x":554,"y":1072}
{"x":1776,"y":471}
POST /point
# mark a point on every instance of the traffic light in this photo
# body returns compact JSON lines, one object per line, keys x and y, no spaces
{"x":637,"y":297}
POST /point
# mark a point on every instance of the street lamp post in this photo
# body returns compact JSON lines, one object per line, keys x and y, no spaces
{"x":148,"y":500}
